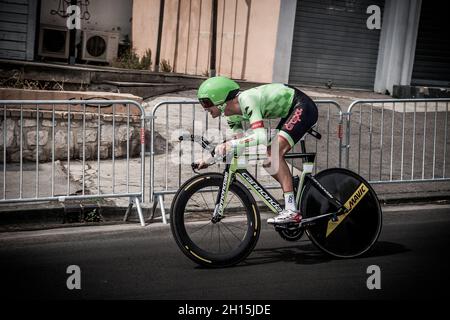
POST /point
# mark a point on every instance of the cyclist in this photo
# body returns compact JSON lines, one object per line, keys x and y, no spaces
{"x":298,"y":114}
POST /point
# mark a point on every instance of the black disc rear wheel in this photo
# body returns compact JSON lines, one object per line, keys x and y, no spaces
{"x":353,"y":233}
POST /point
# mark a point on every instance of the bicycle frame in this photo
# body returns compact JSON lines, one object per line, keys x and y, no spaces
{"x":232,"y":171}
{"x":316,"y":202}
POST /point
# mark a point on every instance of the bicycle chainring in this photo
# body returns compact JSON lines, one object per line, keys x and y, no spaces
{"x":290,"y":233}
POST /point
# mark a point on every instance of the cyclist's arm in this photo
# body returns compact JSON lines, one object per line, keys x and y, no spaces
{"x":235,"y":124}
{"x":258,"y":135}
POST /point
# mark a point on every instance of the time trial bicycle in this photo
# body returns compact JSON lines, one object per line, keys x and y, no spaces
{"x":216,"y":222}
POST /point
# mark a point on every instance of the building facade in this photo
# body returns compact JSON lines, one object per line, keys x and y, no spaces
{"x":366,"y":44}
{"x":335,"y":43}
{"x":38,"y":29}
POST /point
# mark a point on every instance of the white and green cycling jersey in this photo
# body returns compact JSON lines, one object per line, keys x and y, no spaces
{"x":268,"y":101}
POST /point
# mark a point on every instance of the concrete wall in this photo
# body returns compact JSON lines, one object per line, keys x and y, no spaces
{"x":262,"y":39}
{"x":51,"y":95}
{"x":78,"y":137}
{"x":398,"y":37}
{"x":285,"y":37}
{"x":41,"y":137}
{"x":246,"y":35}
{"x":144,"y":27}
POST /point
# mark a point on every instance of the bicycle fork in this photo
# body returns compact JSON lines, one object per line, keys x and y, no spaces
{"x":222,"y":194}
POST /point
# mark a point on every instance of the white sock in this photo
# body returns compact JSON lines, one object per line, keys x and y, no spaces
{"x":289,"y":201}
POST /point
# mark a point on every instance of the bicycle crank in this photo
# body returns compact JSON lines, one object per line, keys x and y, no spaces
{"x":290,"y":231}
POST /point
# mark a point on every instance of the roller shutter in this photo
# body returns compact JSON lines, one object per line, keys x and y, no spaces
{"x":432,"y":58}
{"x":17,"y":29}
{"x":333,"y":44}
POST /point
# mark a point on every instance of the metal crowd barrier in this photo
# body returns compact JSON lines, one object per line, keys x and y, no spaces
{"x":168,"y":170}
{"x":72,"y":150}
{"x":398,"y":140}
{"x":386,"y":141}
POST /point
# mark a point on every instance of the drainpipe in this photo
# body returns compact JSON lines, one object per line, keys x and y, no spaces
{"x":177,"y":32}
{"x":160,"y":27}
{"x":212,"y":65}
{"x":247,"y":27}
{"x":72,"y":39}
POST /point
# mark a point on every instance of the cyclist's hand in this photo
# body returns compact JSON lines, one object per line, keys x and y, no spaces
{"x":201,"y":164}
{"x":223,"y":149}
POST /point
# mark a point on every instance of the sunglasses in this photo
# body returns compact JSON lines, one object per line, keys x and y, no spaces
{"x":206,"y":103}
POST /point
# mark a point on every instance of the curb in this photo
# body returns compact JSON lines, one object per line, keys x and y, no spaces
{"x":59,"y":217}
{"x":155,"y":227}
{"x":441,"y":199}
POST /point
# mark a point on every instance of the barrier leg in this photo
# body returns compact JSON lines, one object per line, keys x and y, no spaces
{"x":152,"y":215}
{"x":127,"y":213}
{"x":160,"y":201}
{"x":163,"y":210}
{"x":139,"y":210}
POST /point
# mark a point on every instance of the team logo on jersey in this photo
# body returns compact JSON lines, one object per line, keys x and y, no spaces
{"x":257,"y":124}
{"x":296,"y":117}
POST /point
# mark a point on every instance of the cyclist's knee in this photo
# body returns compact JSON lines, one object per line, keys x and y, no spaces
{"x":283,"y":146}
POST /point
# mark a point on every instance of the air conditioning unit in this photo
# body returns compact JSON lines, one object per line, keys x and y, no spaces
{"x":99,"y":46}
{"x":53,"y":42}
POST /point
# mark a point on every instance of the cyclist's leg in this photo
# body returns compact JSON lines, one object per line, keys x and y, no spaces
{"x":302,"y":117}
{"x":283,"y":175}
{"x":277,"y":165}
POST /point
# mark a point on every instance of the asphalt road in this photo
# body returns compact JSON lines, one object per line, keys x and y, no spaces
{"x":131,"y":262}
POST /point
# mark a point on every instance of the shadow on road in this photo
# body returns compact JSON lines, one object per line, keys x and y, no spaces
{"x":385,"y":248}
{"x":306,"y":253}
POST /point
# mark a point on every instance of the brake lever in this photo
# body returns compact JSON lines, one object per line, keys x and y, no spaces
{"x":214,"y":159}
{"x":206,"y":145}
{"x":195,"y":167}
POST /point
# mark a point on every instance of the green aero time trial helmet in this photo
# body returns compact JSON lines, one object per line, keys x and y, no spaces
{"x":216,"y":91}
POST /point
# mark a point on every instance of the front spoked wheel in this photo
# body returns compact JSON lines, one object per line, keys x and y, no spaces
{"x":355,"y":232}
{"x":209,"y":242}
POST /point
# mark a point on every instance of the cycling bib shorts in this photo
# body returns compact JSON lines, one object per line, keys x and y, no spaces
{"x":302,"y":116}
